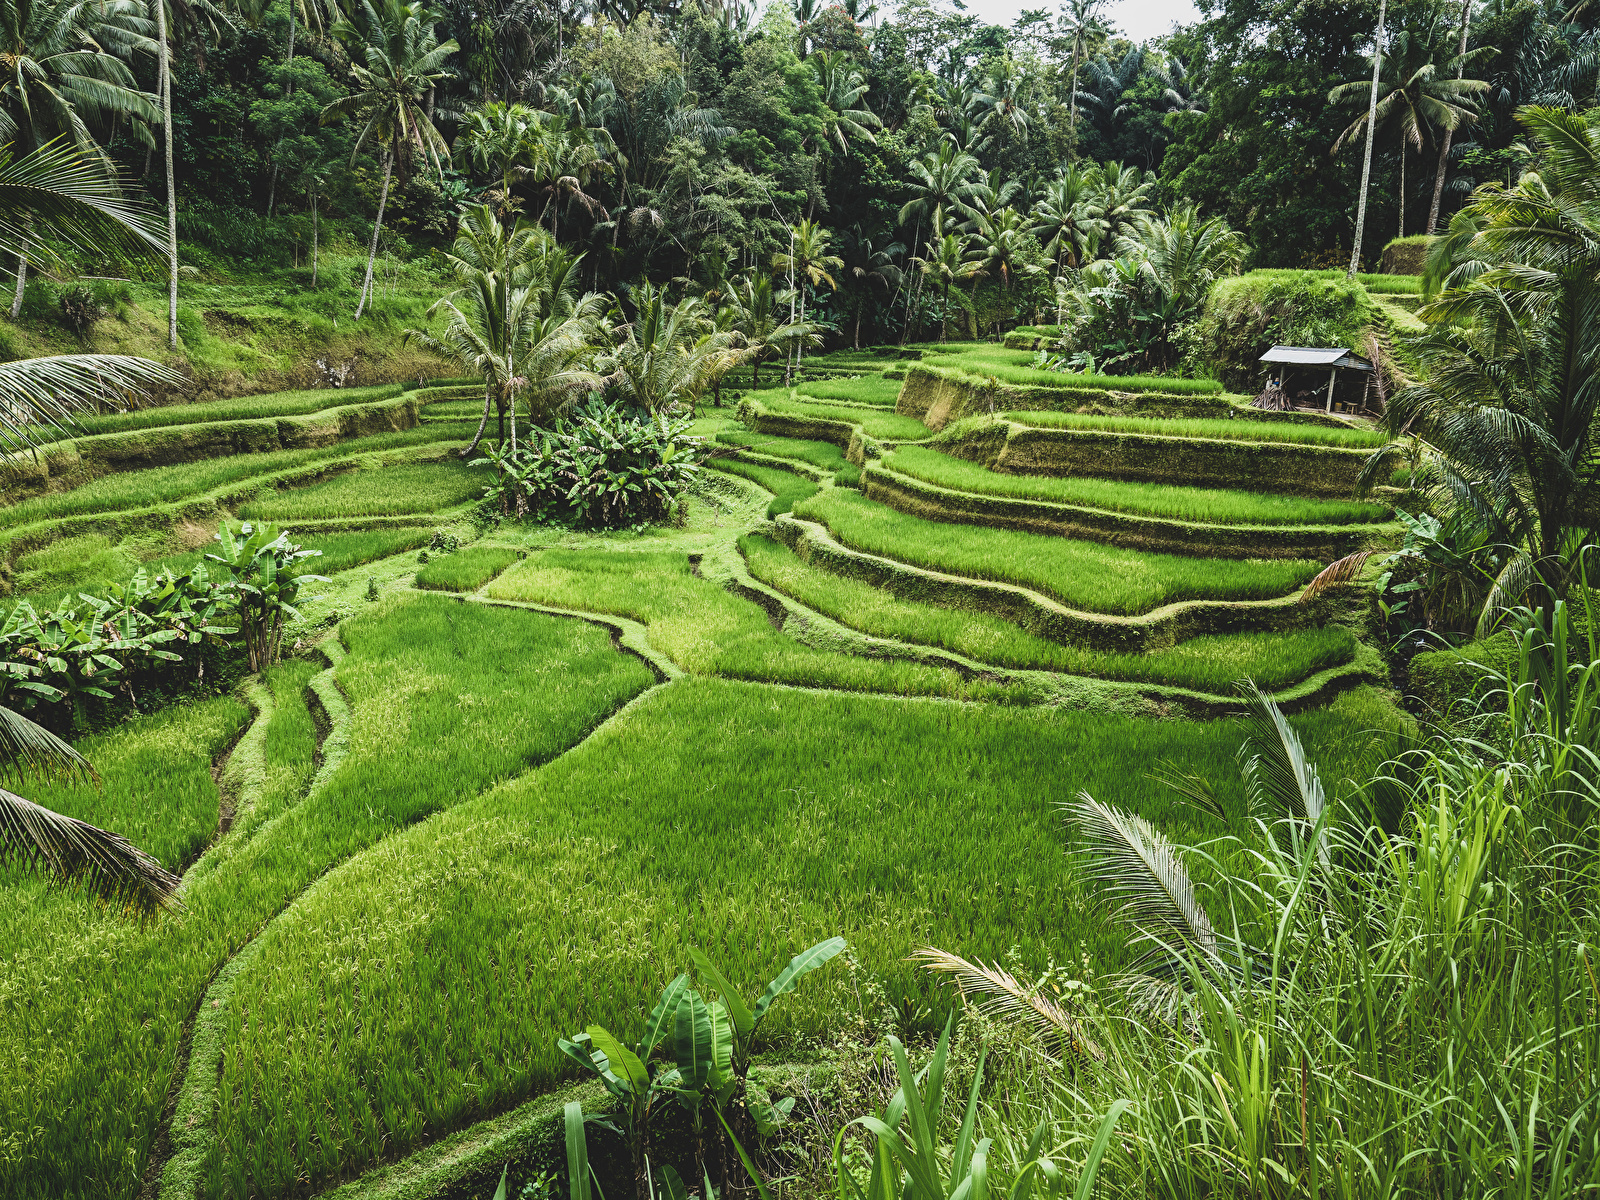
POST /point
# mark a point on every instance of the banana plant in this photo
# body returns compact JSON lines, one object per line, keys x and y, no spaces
{"x":261,"y":561}
{"x":747,"y":1018}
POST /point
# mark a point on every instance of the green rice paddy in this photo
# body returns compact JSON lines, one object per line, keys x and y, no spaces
{"x":869,"y":390}
{"x":786,"y":487}
{"x":1209,"y":427}
{"x":1222,"y":506}
{"x":875,"y":423}
{"x":241,"y":408}
{"x":1081,"y":575}
{"x":1208,"y":664}
{"x":392,"y":491}
{"x":1015,"y":367}
{"x":818,"y":454}
{"x":466,"y":570}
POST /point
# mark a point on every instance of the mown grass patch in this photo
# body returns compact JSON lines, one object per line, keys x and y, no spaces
{"x":163,"y":485}
{"x":1014,"y":366}
{"x":704,"y":628}
{"x":240,"y":408}
{"x":466,"y":570}
{"x":818,"y":454}
{"x":423,"y":985}
{"x":391,"y":491}
{"x":1082,"y":575}
{"x":446,"y":699}
{"x":875,"y":423}
{"x":1224,"y":506}
{"x":1208,"y":427}
{"x":1209,"y":664}
{"x":786,"y":487}
{"x":871,"y":390}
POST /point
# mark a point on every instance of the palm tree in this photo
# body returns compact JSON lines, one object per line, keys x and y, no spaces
{"x":997,"y":242}
{"x":562,"y":160}
{"x":1411,"y":96}
{"x":1068,"y":218}
{"x":941,"y":179}
{"x":1444,"y":146}
{"x":1000,"y":101}
{"x":1123,"y":196}
{"x":808,"y":258}
{"x":64,"y":79}
{"x":669,"y":354}
{"x":1180,"y":93}
{"x":403,"y":62}
{"x":948,"y":259}
{"x":1104,"y":95}
{"x":517,"y":321}
{"x":1081,"y":18}
{"x":870,"y":267}
{"x":843,"y":85}
{"x":497,"y":138}
{"x":756,"y":317}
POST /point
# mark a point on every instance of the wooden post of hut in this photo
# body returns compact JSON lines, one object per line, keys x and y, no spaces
{"x":1309,"y":358}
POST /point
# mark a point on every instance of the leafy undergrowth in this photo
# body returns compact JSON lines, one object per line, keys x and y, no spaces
{"x":422,"y":985}
{"x":819,"y":454}
{"x":871,"y":390}
{"x":241,"y":408}
{"x":704,"y":628}
{"x":1208,"y":427}
{"x":162,"y":485}
{"x":390,"y":491}
{"x":786,"y":487}
{"x":1082,"y":575}
{"x":466,"y":570}
{"x":1209,"y":664}
{"x":447,"y":700}
{"x":1225,"y":506}
{"x":875,"y":423}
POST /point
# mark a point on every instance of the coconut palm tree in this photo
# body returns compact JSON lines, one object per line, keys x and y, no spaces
{"x":497,"y":138}
{"x":843,"y":86}
{"x":809,"y":262}
{"x":1081,"y":19}
{"x":669,"y":353}
{"x":1068,"y":218}
{"x":401,"y":62}
{"x":757,"y":307}
{"x":870,"y":267}
{"x":947,"y":259}
{"x":517,"y":320}
{"x":1413,"y":96}
{"x":1003,"y":115}
{"x":561,"y":162}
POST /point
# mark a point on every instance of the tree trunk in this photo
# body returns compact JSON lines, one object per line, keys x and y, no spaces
{"x":372,"y":252}
{"x":1402,"y":187}
{"x":944,"y":316}
{"x":313,"y":238}
{"x":164,"y":70}
{"x":478,"y":436}
{"x":1366,"y":162}
{"x":22,"y":282}
{"x":1072,"y":119}
{"x":1444,"y":149}
{"x":272,"y":190}
{"x":859,"y":307}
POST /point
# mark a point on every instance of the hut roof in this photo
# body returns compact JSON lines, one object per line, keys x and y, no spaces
{"x":1314,"y":356}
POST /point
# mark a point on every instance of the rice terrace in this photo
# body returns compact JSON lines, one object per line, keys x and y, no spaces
{"x":807,"y":601}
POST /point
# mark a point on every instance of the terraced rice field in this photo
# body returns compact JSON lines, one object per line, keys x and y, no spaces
{"x":1206,"y":427}
{"x":1015,"y":367}
{"x":460,"y":823}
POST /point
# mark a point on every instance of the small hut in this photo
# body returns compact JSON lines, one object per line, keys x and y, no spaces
{"x":1295,"y":378}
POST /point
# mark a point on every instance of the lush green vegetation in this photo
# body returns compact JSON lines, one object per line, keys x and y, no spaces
{"x":466,"y":570}
{"x":786,"y":486}
{"x":826,"y":455}
{"x":162,"y":485}
{"x":1208,"y":664}
{"x":871,"y":390}
{"x":392,"y":491}
{"x":704,"y":628}
{"x":1211,"y":505}
{"x":1207,"y":427}
{"x":875,"y":423}
{"x":1380,"y":285}
{"x":806,"y":815}
{"x":1082,"y":575}
{"x":1016,"y":366}
{"x":241,"y":408}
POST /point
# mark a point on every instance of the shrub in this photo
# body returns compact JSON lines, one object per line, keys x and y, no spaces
{"x":606,"y":468}
{"x":80,"y":310}
{"x":1247,"y":315}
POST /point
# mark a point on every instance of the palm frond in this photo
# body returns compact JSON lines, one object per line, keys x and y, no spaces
{"x":40,"y":397}
{"x":1507,"y":591}
{"x":30,"y":750}
{"x":1341,"y":571}
{"x":1280,"y":781}
{"x":997,"y":993}
{"x":70,"y":851}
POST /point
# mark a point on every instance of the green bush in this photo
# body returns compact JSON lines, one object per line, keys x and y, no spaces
{"x":1246,"y":315}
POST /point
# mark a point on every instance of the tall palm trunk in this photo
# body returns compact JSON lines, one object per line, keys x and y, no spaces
{"x":314,"y":238}
{"x":1402,"y":186}
{"x":372,"y":252}
{"x":478,"y":436}
{"x":164,"y":70}
{"x":1072,"y":117}
{"x":22,"y":282}
{"x":1444,"y":147}
{"x":1366,"y":161}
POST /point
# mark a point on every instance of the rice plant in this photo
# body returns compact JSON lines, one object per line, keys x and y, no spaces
{"x":466,"y":570}
{"x":1208,"y":664}
{"x":744,"y":820}
{"x":704,"y":628}
{"x":240,"y":408}
{"x":875,"y":423}
{"x":1223,"y":506}
{"x":786,"y":486}
{"x":392,"y":491}
{"x":1208,"y":427}
{"x":826,"y":455}
{"x":1082,"y":575}
{"x":1015,"y":367}
{"x":869,"y":391}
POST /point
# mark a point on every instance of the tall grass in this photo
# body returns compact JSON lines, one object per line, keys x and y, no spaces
{"x":1082,"y":575}
{"x":704,"y":628}
{"x":422,"y":986}
{"x":875,"y":423}
{"x":341,"y":551}
{"x":1208,"y":427}
{"x":162,"y":485}
{"x":1394,"y":285}
{"x":466,"y":570}
{"x":391,"y":491}
{"x":240,"y":408}
{"x":786,"y":487}
{"x":446,"y":698}
{"x":1209,"y":664}
{"x":1015,"y":366}
{"x":1224,"y":506}
{"x":819,"y":454}
{"x":870,"y":390}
